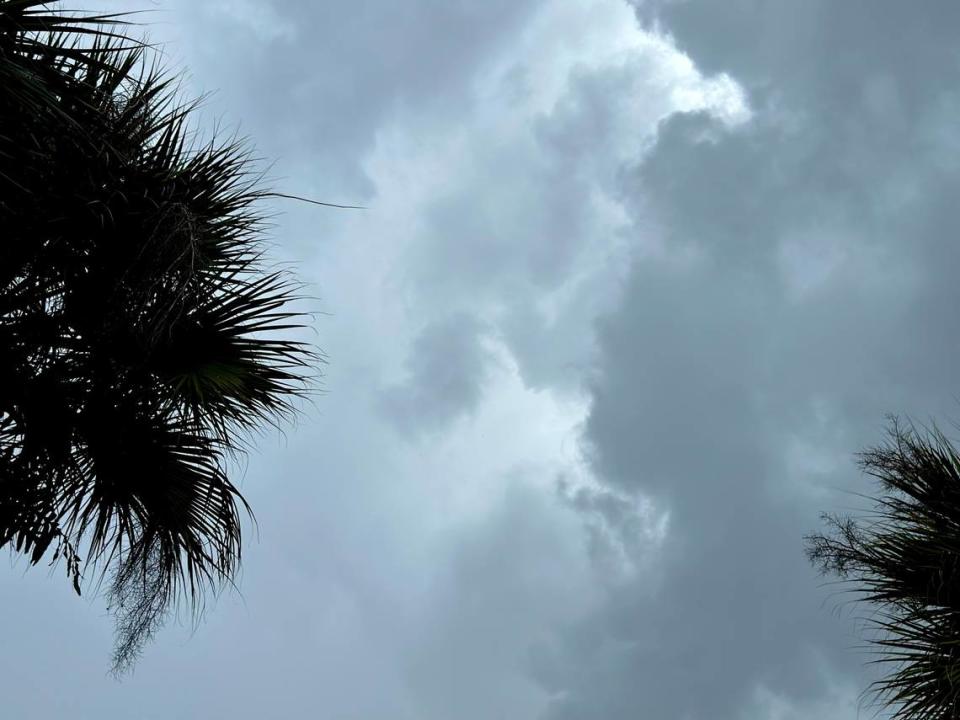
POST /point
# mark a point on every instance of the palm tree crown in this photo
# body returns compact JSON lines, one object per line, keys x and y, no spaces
{"x":138,"y":324}
{"x":903,"y":560}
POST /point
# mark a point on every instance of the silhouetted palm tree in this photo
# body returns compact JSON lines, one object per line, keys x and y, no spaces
{"x":903,"y":560}
{"x":138,"y":324}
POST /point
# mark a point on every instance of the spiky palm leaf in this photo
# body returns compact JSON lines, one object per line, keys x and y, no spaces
{"x":138,"y":326}
{"x":903,"y":559}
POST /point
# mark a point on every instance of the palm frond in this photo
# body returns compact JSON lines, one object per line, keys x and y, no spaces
{"x":903,"y":558}
{"x":141,"y":331}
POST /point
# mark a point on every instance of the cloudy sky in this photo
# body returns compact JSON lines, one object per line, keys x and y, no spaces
{"x":635,"y":281}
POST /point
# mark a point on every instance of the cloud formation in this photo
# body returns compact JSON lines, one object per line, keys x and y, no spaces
{"x":446,"y":368}
{"x":798,"y":293}
{"x":634,"y":283}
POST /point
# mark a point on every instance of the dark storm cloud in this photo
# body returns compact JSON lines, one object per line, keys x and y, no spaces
{"x":446,"y":368}
{"x":771,"y":281}
{"x":805,"y":286}
{"x":531,"y":225}
{"x":354,"y":604}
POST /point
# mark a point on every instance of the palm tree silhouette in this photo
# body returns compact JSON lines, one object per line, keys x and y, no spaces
{"x":903,"y":560}
{"x":142,"y":338}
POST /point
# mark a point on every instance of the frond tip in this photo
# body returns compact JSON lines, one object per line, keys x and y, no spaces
{"x":141,"y":333}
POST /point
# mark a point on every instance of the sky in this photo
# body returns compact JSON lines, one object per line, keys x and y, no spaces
{"x":634,"y":283}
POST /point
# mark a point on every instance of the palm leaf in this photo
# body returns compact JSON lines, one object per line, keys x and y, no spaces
{"x":903,"y":559}
{"x":141,"y":331}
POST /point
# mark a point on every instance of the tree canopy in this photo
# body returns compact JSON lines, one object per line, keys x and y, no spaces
{"x":142,"y":334}
{"x":903,"y":560}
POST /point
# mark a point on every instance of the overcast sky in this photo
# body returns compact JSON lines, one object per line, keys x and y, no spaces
{"x":634,"y":284}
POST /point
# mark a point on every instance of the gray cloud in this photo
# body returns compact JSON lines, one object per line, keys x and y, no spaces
{"x":642,"y":327}
{"x":513,"y":578}
{"x":314,"y":82}
{"x":446,"y":368}
{"x":803,"y":289}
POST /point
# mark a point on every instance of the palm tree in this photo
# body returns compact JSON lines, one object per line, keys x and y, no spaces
{"x":142,"y":337}
{"x":903,"y":560}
